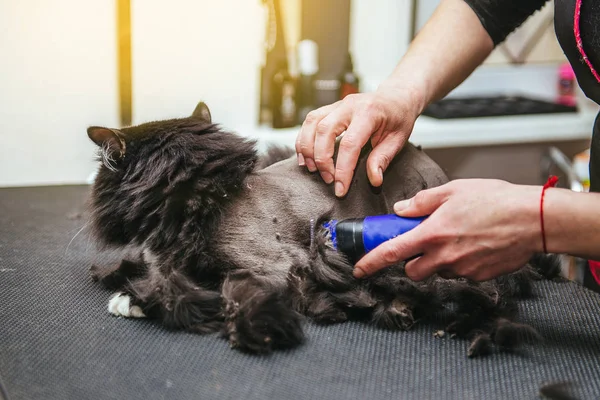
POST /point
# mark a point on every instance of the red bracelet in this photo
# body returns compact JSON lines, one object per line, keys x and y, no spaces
{"x":551,"y":182}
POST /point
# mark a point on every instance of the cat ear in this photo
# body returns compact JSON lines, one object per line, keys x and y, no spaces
{"x":202,"y":112}
{"x":111,"y":142}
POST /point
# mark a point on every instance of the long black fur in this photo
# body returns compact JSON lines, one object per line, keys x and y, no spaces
{"x":168,"y":188}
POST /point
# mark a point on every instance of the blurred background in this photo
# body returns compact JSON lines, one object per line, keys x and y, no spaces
{"x":261,"y":65}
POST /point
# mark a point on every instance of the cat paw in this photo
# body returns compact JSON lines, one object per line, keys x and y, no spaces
{"x":481,"y":345}
{"x":395,"y":316}
{"x":96,"y":272}
{"x":120,"y":305}
{"x":267,"y":325}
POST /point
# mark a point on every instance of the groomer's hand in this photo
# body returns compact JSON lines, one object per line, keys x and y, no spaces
{"x":386,"y":117}
{"x":479,"y":229}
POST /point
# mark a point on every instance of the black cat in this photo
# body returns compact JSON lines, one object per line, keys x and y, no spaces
{"x":229,"y":241}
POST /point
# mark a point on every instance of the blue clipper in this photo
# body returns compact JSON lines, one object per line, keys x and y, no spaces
{"x":355,"y":237}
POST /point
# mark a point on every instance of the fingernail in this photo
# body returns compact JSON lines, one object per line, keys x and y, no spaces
{"x":327,"y":177}
{"x":401,"y":205}
{"x":339,"y":189}
{"x":311,"y":165}
{"x":301,"y":160}
{"x":381,"y":174}
{"x":358,"y":273}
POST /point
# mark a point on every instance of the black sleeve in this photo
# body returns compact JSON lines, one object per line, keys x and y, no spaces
{"x":502,"y":17}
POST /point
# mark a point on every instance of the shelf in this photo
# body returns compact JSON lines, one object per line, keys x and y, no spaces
{"x":433,"y":133}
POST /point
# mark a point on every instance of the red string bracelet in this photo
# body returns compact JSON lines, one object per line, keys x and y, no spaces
{"x":551,"y":182}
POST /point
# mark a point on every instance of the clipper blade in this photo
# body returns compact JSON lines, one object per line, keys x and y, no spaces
{"x":324,"y":234}
{"x":328,"y":232}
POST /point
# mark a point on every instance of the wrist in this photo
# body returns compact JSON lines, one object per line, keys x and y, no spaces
{"x":405,"y":92}
{"x":529,"y":219}
{"x":562,"y":226}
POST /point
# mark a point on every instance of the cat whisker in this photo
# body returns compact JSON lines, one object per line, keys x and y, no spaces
{"x":107,"y":157}
{"x":78,"y":232}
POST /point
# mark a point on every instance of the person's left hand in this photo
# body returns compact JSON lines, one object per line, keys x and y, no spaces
{"x":476,"y":228}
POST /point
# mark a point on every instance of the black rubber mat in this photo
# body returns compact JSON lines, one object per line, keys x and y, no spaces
{"x":57,"y":341}
{"x":493,"y":106}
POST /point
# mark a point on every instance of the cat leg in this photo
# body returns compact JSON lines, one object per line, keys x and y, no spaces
{"x":485,"y":315}
{"x":401,"y":301}
{"x":505,"y":335}
{"x":121,"y":305}
{"x":116,"y":276}
{"x":177,"y":301}
{"x":480,"y":345}
{"x":259,"y":316}
{"x":313,"y":300}
{"x":508,"y":335}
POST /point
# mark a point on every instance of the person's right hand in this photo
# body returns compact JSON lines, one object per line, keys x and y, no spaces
{"x":386,"y":116}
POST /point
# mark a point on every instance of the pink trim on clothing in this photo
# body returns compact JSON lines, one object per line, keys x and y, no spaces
{"x":577,"y":32}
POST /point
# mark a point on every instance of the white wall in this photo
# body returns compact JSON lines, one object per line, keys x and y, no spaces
{"x":379,"y":37}
{"x":188,"y":50}
{"x":57,"y":76}
{"x":58,"y":71}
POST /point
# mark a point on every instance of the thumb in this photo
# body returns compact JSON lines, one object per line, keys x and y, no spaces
{"x":423,"y":203}
{"x":382,"y":154}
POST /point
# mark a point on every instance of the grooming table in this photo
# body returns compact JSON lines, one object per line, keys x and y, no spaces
{"x":57,"y":340}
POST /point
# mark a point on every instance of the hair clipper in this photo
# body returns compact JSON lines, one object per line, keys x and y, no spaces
{"x":355,"y":237}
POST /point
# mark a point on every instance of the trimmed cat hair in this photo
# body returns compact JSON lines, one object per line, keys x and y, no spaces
{"x":220,"y":241}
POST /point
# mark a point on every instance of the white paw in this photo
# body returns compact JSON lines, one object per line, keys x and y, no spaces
{"x":119,"y":305}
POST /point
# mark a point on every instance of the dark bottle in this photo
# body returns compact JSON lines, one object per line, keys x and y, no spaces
{"x":283,"y":97}
{"x":349,"y":81}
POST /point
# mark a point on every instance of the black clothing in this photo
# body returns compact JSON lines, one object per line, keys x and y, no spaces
{"x":501,"y":17}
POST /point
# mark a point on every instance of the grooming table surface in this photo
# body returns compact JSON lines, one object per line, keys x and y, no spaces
{"x":59,"y":342}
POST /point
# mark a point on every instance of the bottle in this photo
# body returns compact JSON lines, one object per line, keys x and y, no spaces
{"x":283,"y":97}
{"x":581,"y":163}
{"x":307,"y":67}
{"x":566,"y":86}
{"x":349,"y":81}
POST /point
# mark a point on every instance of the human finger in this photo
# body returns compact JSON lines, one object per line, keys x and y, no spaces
{"x":447,"y":274}
{"x":423,"y":203}
{"x":390,"y":252}
{"x":382,"y":155}
{"x":305,"y":140}
{"x":490,"y":271}
{"x":328,"y":129}
{"x":422,"y":267}
{"x":356,"y":136}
